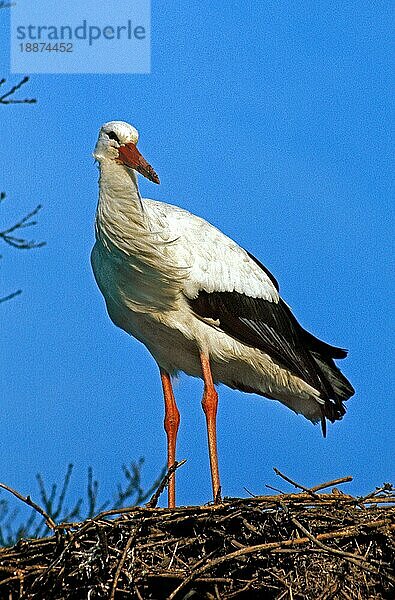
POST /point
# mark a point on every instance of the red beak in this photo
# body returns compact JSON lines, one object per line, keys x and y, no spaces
{"x":131,"y":157}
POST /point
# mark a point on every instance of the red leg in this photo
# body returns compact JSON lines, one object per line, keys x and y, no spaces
{"x":210,"y":404}
{"x":172,"y":421}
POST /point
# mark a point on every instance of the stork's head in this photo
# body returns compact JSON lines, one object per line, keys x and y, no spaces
{"x":118,"y":142}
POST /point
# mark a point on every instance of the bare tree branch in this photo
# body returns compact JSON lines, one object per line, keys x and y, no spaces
{"x":7,"y":97}
{"x":7,"y":235}
{"x":10,"y":296}
{"x":18,"y":242}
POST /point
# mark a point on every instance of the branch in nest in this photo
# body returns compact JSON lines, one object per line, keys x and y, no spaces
{"x":297,"y":485}
{"x":27,"y":500}
{"x":154,"y":500}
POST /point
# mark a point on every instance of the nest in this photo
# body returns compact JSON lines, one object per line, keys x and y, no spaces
{"x":303,"y":545}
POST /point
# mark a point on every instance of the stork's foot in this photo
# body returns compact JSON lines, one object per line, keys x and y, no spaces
{"x":218,"y":497}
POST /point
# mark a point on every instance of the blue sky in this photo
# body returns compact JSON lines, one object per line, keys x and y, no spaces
{"x":272,"y":121}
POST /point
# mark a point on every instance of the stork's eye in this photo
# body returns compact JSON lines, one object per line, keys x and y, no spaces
{"x":113,"y":136}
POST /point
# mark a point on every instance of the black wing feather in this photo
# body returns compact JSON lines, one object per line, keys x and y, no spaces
{"x":272,"y":328}
{"x":264,"y":325}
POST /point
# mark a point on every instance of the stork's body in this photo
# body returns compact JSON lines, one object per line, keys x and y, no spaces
{"x":199,"y":302}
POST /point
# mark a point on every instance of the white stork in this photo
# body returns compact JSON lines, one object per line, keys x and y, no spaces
{"x":200,"y":303}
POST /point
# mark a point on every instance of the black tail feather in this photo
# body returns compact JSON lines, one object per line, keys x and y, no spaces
{"x":341,"y":388}
{"x":317,"y":345}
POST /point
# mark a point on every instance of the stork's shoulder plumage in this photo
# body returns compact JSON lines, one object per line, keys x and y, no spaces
{"x":213,"y":262}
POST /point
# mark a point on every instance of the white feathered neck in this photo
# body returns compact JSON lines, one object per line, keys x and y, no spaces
{"x":131,"y":235}
{"x":119,"y":209}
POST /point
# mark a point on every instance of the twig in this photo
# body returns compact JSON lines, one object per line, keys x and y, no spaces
{"x":4,"y":99}
{"x":297,"y":485}
{"x":332,"y":483}
{"x":387,"y":487}
{"x":139,"y":596}
{"x":154,"y":500}
{"x":10,"y":296}
{"x":270,"y":487}
{"x":27,"y":500}
{"x":249,"y":493}
{"x":130,"y":541}
{"x":21,"y":243}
